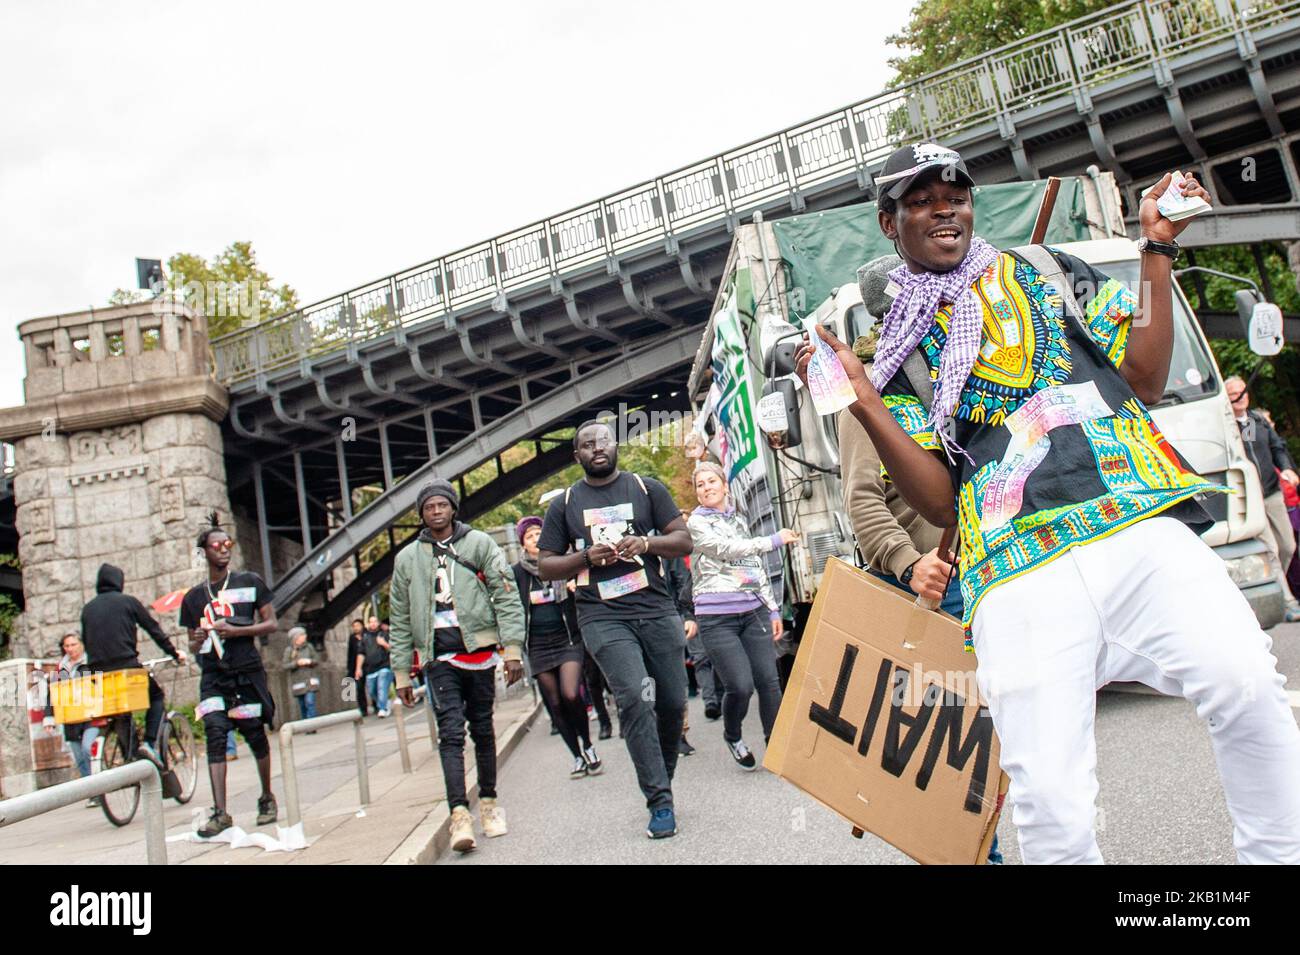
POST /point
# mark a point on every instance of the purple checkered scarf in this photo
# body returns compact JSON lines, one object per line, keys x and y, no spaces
{"x":911,"y":316}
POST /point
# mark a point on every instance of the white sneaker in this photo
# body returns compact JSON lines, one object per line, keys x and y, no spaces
{"x":462,"y":830}
{"x":492,"y":818}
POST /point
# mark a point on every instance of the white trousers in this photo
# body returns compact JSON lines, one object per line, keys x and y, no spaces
{"x":1281,"y":542}
{"x":1150,"y":604}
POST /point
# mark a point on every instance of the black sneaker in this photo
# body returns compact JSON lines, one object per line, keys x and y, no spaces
{"x":218,"y":822}
{"x":712,"y":712}
{"x":606,"y":731}
{"x":267,"y":811}
{"x":743,"y":757}
{"x":592,"y":760}
{"x":579,"y":769}
{"x":684,"y":748}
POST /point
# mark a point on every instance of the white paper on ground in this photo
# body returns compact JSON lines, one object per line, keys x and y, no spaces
{"x":290,"y":839}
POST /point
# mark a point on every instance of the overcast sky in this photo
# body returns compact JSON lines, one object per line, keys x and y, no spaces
{"x":350,"y":141}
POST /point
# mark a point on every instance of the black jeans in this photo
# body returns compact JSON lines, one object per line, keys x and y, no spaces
{"x":152,"y":720}
{"x":646,"y":669}
{"x":740,"y":646}
{"x":459,"y":697}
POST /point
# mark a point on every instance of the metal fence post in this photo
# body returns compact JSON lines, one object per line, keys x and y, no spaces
{"x":289,"y":775}
{"x":363,"y":772}
{"x":155,"y":828}
{"x":399,"y":716}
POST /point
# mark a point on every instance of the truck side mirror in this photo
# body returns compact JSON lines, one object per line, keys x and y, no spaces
{"x":778,"y":415}
{"x":780,"y":358}
{"x":1246,"y":301}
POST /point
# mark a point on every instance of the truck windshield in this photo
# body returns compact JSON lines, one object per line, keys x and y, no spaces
{"x":1191,"y":371}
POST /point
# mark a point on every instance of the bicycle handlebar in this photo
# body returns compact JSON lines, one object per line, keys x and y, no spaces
{"x":149,"y":664}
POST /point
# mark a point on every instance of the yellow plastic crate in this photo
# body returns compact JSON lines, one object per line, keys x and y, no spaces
{"x":100,"y":694}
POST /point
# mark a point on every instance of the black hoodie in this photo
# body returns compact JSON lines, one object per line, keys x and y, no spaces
{"x":109,"y":621}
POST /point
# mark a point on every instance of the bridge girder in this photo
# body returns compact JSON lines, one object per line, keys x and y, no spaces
{"x":597,"y":389}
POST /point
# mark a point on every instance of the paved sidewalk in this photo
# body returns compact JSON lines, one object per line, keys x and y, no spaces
{"x":404,"y":823}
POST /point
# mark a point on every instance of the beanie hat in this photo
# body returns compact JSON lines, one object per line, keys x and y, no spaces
{"x":437,"y":488}
{"x":524,"y":523}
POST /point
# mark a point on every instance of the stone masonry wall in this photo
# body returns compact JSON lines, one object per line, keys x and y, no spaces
{"x":133,"y":495}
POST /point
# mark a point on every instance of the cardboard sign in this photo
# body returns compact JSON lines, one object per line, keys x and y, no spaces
{"x":883,"y":723}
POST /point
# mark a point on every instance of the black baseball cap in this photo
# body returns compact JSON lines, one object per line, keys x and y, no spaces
{"x":908,"y":163}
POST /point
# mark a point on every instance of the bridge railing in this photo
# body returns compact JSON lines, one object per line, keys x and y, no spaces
{"x":1084,"y":52}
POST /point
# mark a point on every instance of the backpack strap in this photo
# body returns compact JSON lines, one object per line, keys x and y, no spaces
{"x":451,"y":552}
{"x":1049,"y":267}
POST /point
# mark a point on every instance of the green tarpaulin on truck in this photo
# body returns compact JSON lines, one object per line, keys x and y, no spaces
{"x":823,"y":250}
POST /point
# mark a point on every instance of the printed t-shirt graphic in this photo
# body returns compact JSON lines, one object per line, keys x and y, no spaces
{"x":588,"y":515}
{"x":238,"y":600}
{"x":448,"y":641}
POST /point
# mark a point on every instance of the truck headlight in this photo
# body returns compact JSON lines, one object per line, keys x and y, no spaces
{"x":1249,"y":570}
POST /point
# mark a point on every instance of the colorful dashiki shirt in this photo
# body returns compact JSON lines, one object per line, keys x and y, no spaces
{"x":1064,"y":452}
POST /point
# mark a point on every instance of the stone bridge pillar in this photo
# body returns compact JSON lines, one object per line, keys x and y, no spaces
{"x":118,"y":457}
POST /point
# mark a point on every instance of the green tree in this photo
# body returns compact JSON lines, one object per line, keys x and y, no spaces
{"x":231,"y":288}
{"x":942,"y":32}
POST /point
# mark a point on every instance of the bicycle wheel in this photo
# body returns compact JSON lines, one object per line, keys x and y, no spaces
{"x":183,"y":756}
{"x":120,"y":804}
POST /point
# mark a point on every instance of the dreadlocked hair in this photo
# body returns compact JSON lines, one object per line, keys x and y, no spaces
{"x":213,"y":526}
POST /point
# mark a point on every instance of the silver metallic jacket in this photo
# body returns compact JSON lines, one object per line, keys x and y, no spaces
{"x":725,"y":559}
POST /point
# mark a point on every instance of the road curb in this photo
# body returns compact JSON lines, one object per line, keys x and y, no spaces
{"x":432,"y":836}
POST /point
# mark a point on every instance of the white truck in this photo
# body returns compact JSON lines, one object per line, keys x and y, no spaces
{"x":772,"y":267}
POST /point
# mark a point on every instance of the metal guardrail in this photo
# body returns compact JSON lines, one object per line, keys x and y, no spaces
{"x":289,"y":770}
{"x":139,"y":772}
{"x":1067,"y":59}
{"x":399,"y":717}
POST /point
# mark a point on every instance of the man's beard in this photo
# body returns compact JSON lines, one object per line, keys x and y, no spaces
{"x":603,"y":470}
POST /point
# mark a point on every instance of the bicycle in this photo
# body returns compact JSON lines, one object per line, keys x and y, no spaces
{"x":175,"y":747}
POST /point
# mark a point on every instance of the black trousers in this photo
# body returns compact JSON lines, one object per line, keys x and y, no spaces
{"x":152,"y":720}
{"x":463,"y":697}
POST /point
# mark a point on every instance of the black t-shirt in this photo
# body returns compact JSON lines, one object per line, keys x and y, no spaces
{"x":587,"y":515}
{"x":376,"y":657}
{"x":447,"y":637}
{"x":239,"y":599}
{"x":545,"y":605}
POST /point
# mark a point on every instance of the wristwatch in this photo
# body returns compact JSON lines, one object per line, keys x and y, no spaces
{"x":906,"y":578}
{"x":1170,"y":249}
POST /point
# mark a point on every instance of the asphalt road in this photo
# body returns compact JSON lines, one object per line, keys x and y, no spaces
{"x":1160,"y":798}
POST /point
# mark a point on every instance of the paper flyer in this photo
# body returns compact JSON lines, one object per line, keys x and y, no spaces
{"x":828,"y":383}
